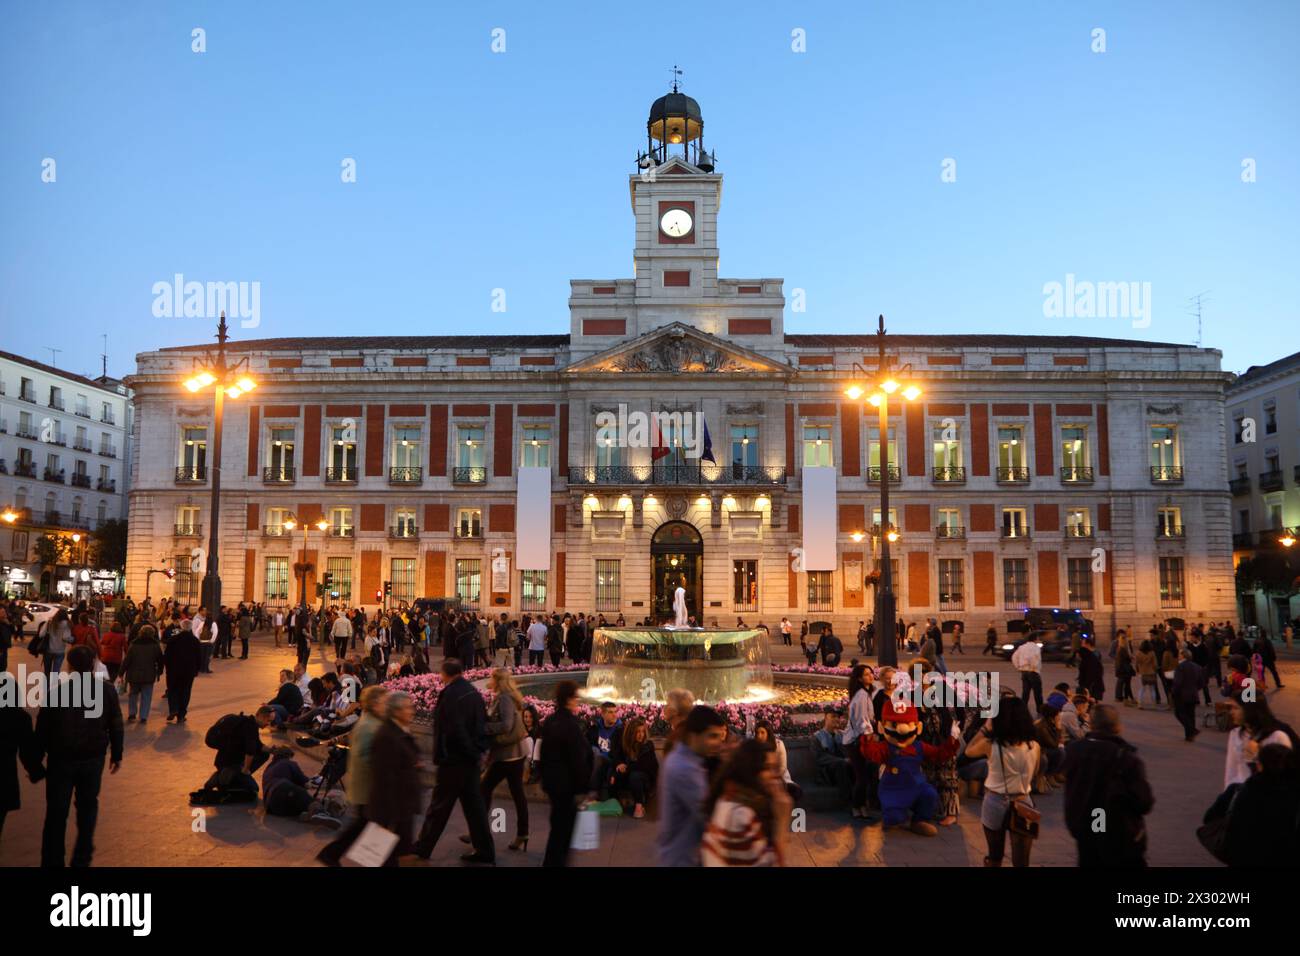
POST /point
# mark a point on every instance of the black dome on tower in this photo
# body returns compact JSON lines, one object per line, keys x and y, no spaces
{"x":676,"y":120}
{"x":675,"y":106}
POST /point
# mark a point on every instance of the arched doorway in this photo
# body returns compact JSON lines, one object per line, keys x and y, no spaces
{"x":677,"y":557}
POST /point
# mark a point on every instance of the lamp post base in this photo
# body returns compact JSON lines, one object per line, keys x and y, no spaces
{"x":886,"y":639}
{"x":210,"y":593}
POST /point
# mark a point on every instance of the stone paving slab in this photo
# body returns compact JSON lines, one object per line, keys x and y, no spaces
{"x":146,"y":820}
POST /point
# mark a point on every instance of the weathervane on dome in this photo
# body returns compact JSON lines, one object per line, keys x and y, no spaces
{"x":675,"y":73}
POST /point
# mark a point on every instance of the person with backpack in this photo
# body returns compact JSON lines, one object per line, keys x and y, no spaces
{"x":1103,"y":773}
{"x":1267,"y":654}
{"x":237,"y":739}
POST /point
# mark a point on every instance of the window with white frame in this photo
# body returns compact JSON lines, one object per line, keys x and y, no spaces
{"x":471,"y":449}
{"x":402,"y":576}
{"x":341,"y":525}
{"x":1075,"y":460}
{"x":1078,"y":523}
{"x":1015,"y":582}
{"x":407,"y":446}
{"x":744,"y":590}
{"x":873,"y":452}
{"x":744,"y":450}
{"x":532,"y":590}
{"x":469,"y":581}
{"x":1171,"y":582}
{"x":609,"y":584}
{"x":947,"y":452}
{"x":1169,"y":521}
{"x":1166,"y":453}
{"x":536,"y":446}
{"x":187,"y":519}
{"x":277,"y":579}
{"x":817,"y":450}
{"x":275,"y":519}
{"x":343,"y":454}
{"x":194,"y":450}
{"x":1015,"y":523}
{"x":1013,"y":457}
{"x":951,"y":585}
{"x":280,"y":453}
{"x":469,"y":522}
{"x":1078,"y":578}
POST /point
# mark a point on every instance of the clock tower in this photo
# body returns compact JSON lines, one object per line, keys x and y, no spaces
{"x":676,"y":194}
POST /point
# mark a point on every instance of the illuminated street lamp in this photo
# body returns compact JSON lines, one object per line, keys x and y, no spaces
{"x":1288,"y":538}
{"x":291,"y":522}
{"x":226,"y":381}
{"x":875,"y":389}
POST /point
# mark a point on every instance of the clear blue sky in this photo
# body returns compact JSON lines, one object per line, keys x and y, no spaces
{"x":479,"y":171}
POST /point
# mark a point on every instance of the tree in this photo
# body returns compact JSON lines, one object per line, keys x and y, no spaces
{"x":1270,"y":571}
{"x":50,"y":549}
{"x":108,"y":545}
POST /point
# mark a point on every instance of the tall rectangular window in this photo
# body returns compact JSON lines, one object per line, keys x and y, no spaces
{"x":187,"y":520}
{"x":1078,"y":582}
{"x":949,"y":525}
{"x":1015,"y":582}
{"x":277,"y":579}
{"x":873,"y":453}
{"x":407,"y":446}
{"x":744,"y":587}
{"x":817,"y":450}
{"x":471,"y":451}
{"x":280,"y":464}
{"x":532,"y":590}
{"x":1169,"y":521}
{"x":947,"y":453}
{"x":1166,"y":453}
{"x":536,"y":446}
{"x":951,"y":591}
{"x":820,"y":597}
{"x":194,"y":450}
{"x":469,"y":522}
{"x":1012,"y":454}
{"x":341,"y":525}
{"x":1078,"y":523}
{"x":1014,"y":523}
{"x":402,"y":574}
{"x":609,"y":453}
{"x":341,"y":583}
{"x":744,"y":450}
{"x":1171,"y":582}
{"x":469,"y":581}
{"x":609,"y":593}
{"x":343,"y":454}
{"x":1075,"y":459}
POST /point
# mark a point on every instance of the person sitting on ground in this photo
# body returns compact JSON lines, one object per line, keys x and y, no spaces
{"x":764,"y":734}
{"x":605,"y":736}
{"x":1047,"y":731}
{"x":323,"y":702}
{"x":284,"y":785}
{"x":636,"y":766}
{"x":1060,"y":696}
{"x":1074,"y":717}
{"x":287,"y":702}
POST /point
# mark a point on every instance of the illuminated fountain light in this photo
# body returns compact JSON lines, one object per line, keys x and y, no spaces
{"x":642,"y":664}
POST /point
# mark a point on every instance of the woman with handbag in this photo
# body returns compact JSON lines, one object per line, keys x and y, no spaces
{"x":57,"y":641}
{"x":506,"y":759}
{"x":1009,"y":742}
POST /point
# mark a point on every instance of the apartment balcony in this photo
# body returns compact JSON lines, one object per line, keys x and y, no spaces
{"x":1018,"y":475}
{"x":60,"y":440}
{"x":948,"y":476}
{"x":107,"y":419}
{"x":468,"y":476}
{"x":342,"y":532}
{"x":191,"y":530}
{"x":696,"y":474}
{"x":1271,"y":480}
{"x":57,"y":405}
{"x":341,"y":476}
{"x":190,"y":474}
{"x":1170,"y":533}
{"x":24,"y":432}
{"x":107,"y":484}
{"x":1076,"y":476}
{"x":1239,"y":486}
{"x":469,"y":531}
{"x":108,"y":451}
{"x":403,"y":531}
{"x":27,"y":397}
{"x":1078,"y":531}
{"x":278,"y":475}
{"x":1243,"y":540}
{"x":276,"y":531}
{"x":25,"y":469}
{"x":82,"y":413}
{"x":82,"y":446}
{"x":1015,"y":533}
{"x":79,"y":480}
{"x":405,"y":475}
{"x":57,"y":476}
{"x":1167,"y":474}
{"x":949,"y":531}
{"x":895,"y":474}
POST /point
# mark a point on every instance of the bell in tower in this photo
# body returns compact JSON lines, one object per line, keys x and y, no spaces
{"x":675,"y":121}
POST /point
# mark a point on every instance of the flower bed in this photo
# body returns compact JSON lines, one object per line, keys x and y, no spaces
{"x":785,"y":717}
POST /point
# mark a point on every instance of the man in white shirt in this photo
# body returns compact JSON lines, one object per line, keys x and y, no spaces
{"x":342,"y":633}
{"x":537,"y":633}
{"x":1028,"y":659}
{"x":785,"y":631}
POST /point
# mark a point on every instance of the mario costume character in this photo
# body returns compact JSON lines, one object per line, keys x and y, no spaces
{"x":904,"y":791}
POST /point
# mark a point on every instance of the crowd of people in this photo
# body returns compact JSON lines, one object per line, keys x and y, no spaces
{"x":719,"y":797}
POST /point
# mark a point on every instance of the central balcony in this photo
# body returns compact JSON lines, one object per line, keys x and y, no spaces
{"x":1076,"y":476}
{"x":895,"y":474}
{"x":949,"y":531}
{"x":278,"y":475}
{"x":695,"y":474}
{"x":403,"y":531}
{"x":80,"y":480}
{"x":472,"y":475}
{"x":1167,"y":474}
{"x":948,"y":476}
{"x":1271,"y":480}
{"x":191,"y":473}
{"x":341,"y":476}
{"x":405,"y":475}
{"x":1017,"y":475}
{"x":1239,"y":486}
{"x":192,"y":530}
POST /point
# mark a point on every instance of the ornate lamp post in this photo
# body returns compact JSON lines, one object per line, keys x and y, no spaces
{"x":290,"y":523}
{"x":225,"y":380}
{"x":875,"y":389}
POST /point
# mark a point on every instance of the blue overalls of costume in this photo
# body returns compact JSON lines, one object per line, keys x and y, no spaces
{"x":903,"y":787}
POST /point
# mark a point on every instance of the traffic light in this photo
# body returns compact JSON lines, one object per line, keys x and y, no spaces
{"x":327,"y":580}
{"x":379,"y":594}
{"x":388,"y":588}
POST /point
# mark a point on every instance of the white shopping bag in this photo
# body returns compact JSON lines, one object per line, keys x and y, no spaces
{"x":371,"y":848}
{"x":586,"y":831}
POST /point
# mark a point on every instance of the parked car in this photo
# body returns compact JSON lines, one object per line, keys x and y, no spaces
{"x":1055,"y":644}
{"x":1043,"y":625}
{"x":41,"y":614}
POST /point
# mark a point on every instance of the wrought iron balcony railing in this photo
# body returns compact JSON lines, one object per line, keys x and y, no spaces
{"x":79,"y":480}
{"x":468,"y":475}
{"x":342,"y":532}
{"x":278,"y":475}
{"x":1078,"y":531}
{"x":1016,"y":475}
{"x":693,"y":473}
{"x":469,"y":531}
{"x":1239,"y":485}
{"x":1167,"y":474}
{"x":895,"y":473}
{"x":1243,"y":539}
{"x":275,"y":531}
{"x":340,"y":476}
{"x":191,"y":530}
{"x":25,"y":469}
{"x":106,"y":484}
{"x":1076,"y":476}
{"x":108,"y":451}
{"x":405,"y":475}
{"x":1271,"y":480}
{"x":948,"y":476}
{"x":403,"y":531}
{"x":51,"y":475}
{"x":949,"y":531}
{"x":1165,"y":532}
{"x":1015,"y":531}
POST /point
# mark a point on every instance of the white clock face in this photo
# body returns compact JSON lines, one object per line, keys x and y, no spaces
{"x":676,"y":223}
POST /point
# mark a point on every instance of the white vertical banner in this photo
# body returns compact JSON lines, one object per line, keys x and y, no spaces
{"x":533,"y":519}
{"x":820,"y":519}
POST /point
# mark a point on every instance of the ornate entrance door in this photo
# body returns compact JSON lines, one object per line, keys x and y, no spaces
{"x":677,"y":558}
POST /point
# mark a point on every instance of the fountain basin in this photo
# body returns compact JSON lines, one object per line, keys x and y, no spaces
{"x":641,"y":664}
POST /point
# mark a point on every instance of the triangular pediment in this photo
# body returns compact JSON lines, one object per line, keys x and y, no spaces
{"x":676,"y":166}
{"x":678,"y":348}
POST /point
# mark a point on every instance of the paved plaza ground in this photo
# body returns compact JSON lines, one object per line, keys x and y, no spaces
{"x":145,"y":818}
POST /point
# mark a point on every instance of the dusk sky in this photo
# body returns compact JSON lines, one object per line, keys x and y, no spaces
{"x":479,"y":170}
